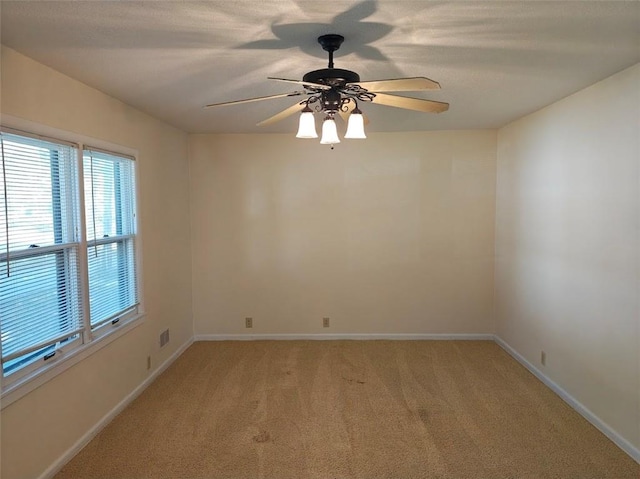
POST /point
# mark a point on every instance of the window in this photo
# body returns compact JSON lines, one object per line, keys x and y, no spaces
{"x":110,"y":214}
{"x":63,"y":285}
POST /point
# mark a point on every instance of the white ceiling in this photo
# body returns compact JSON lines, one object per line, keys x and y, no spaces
{"x":496,"y":60}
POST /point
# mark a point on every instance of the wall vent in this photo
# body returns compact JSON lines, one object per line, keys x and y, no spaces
{"x":164,"y":337}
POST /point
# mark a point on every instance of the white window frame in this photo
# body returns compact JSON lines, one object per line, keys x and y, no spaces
{"x":96,"y":329}
{"x":18,"y":384}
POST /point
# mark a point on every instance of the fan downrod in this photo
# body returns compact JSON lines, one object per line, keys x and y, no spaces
{"x":330,"y":43}
{"x":334,"y":77}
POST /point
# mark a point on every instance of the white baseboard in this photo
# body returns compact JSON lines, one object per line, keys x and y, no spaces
{"x":54,"y":468}
{"x":342,"y":336}
{"x":621,"y":442}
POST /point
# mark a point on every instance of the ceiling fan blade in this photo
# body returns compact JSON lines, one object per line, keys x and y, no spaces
{"x":399,"y":84}
{"x":297,"y":108}
{"x":305,"y":83}
{"x":418,"y":104}
{"x":258,"y":98}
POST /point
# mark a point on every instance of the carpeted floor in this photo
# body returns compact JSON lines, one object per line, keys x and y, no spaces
{"x":349,"y":409}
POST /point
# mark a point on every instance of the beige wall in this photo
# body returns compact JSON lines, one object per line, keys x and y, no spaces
{"x":39,"y":428}
{"x":394,"y":234}
{"x":568,"y":246}
{"x":391,"y":235}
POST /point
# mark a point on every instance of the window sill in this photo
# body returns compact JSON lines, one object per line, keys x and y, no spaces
{"x":23,"y":386}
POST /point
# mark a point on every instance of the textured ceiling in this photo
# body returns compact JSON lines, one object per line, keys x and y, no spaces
{"x":496,"y":61}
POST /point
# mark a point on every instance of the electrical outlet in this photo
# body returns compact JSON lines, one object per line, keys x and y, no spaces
{"x":148,"y":362}
{"x":543,"y":358}
{"x":248,"y":322}
{"x":325,"y":322}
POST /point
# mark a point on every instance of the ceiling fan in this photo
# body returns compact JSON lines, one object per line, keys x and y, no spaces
{"x":336,"y":91}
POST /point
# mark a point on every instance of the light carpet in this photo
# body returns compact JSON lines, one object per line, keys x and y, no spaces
{"x":349,"y":409}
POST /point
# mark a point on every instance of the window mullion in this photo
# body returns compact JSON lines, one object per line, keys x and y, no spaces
{"x":83,"y":251}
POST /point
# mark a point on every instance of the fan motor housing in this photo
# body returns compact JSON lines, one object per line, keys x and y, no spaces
{"x":335,"y":77}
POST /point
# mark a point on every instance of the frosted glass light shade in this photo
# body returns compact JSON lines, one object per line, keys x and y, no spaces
{"x":307,"y":126}
{"x":329,"y":132}
{"x":355,"y":127}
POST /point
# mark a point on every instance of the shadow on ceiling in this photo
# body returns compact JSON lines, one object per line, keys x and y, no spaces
{"x":359,"y":34}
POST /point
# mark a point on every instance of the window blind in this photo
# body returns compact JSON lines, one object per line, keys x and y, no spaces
{"x":109,"y":184}
{"x":46,"y":279}
{"x":40,"y":303}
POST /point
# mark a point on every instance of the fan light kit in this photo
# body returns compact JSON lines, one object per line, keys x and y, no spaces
{"x":336,"y":92}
